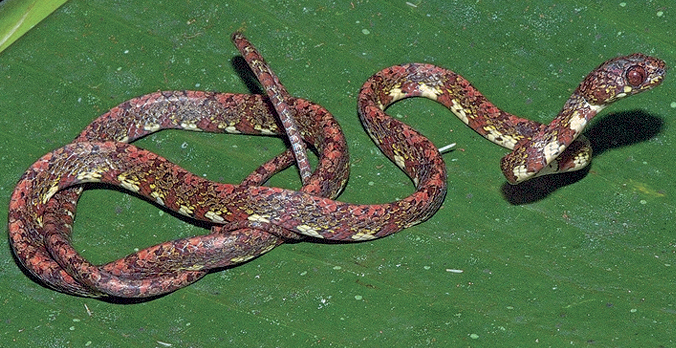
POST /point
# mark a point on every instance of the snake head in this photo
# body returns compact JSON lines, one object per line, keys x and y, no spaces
{"x":621,"y":77}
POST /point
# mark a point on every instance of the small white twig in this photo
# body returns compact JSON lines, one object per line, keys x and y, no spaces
{"x":454,"y":270}
{"x":446,"y":148}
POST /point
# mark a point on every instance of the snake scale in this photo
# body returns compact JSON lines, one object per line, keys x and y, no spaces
{"x":250,"y":219}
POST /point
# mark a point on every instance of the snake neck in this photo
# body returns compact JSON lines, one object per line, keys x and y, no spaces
{"x":532,"y":156}
{"x":572,"y":119}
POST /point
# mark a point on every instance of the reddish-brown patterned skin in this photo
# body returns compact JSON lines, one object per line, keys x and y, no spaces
{"x":44,"y":249}
{"x":277,"y":94}
{"x":615,"y":79}
{"x":612,"y":80}
{"x":278,"y":211}
{"x":42,"y":244}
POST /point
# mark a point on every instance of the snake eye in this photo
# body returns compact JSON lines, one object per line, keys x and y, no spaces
{"x":636,"y":75}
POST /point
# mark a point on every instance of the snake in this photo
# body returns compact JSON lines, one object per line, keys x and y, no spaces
{"x":42,"y":206}
{"x":42,"y":243}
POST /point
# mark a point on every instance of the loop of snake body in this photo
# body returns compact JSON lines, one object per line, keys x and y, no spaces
{"x":40,"y":233}
{"x":42,"y":206}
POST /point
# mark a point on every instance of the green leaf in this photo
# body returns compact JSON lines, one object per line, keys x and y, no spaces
{"x":575,"y":259}
{"x":19,"y":16}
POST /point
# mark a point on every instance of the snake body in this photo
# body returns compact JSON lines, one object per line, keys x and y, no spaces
{"x":278,"y":97}
{"x":40,"y":236}
{"x":256,"y":218}
{"x":538,"y":149}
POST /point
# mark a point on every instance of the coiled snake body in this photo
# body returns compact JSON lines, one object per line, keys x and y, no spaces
{"x":256,"y":218}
